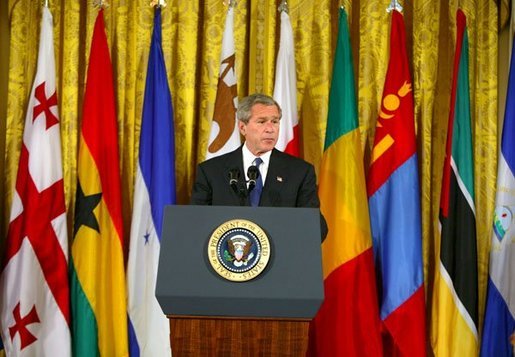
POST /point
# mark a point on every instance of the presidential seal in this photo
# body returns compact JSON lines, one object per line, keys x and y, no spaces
{"x":238,"y":250}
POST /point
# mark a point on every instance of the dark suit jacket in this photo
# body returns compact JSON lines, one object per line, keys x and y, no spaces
{"x":290,"y":182}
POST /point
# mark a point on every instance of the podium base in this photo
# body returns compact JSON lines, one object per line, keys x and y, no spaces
{"x":221,"y":336}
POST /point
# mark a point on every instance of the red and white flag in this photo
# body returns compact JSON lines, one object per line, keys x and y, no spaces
{"x":34,"y":290}
{"x":225,"y":135}
{"x":285,"y":89}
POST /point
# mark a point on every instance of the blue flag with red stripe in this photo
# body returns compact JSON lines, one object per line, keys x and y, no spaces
{"x":394,"y":204}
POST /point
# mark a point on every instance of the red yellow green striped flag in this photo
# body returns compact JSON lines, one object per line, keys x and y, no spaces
{"x":347,"y":323}
{"x":98,"y":293}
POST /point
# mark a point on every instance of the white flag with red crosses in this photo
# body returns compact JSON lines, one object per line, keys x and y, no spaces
{"x":34,"y":289}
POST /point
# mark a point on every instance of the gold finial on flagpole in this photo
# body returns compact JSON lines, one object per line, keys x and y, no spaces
{"x":158,"y":3}
{"x":283,"y":6}
{"x":394,"y":5}
{"x":230,"y":3}
{"x":102,"y":4}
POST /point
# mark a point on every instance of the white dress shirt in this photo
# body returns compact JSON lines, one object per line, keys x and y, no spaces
{"x":248,"y":160}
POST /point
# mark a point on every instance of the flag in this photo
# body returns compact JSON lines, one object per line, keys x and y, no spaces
{"x":347,"y":323}
{"x":34,"y":298}
{"x":499,"y":323}
{"x":455,"y":299}
{"x":225,"y":135}
{"x":98,"y":292}
{"x":285,"y":90}
{"x":393,"y":187}
{"x":149,"y":329}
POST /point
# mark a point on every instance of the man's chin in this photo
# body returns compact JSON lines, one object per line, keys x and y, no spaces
{"x":269,"y":144}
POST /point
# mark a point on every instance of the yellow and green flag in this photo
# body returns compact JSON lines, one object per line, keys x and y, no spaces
{"x":98,"y":293}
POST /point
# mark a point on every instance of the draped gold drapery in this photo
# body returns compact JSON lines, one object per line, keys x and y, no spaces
{"x":192,"y":32}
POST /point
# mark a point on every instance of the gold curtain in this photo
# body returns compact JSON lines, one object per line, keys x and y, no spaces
{"x":192,"y":31}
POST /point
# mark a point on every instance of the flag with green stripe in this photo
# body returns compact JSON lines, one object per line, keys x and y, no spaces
{"x":455,"y":297}
{"x":347,"y":323}
{"x":98,"y":293}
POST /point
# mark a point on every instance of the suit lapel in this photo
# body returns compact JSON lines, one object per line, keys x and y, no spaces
{"x":235,"y":161}
{"x":275,"y":178}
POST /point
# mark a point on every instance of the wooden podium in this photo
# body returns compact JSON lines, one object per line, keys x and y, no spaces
{"x":266,"y":316}
{"x":207,"y":336}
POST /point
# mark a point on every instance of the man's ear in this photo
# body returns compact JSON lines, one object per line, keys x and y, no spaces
{"x":241,"y":126}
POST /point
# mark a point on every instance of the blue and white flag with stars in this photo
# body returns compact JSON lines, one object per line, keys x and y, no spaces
{"x":499,"y":322}
{"x":149,"y":331}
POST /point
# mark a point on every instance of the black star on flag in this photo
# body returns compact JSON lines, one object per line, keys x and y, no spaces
{"x":84,"y":207}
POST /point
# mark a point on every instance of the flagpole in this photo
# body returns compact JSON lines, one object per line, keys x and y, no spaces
{"x":101,"y":4}
{"x":394,"y":5}
{"x":158,"y":3}
{"x":230,"y":3}
{"x":283,"y":7}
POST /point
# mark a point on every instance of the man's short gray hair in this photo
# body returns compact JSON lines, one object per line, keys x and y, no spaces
{"x":244,"y":111}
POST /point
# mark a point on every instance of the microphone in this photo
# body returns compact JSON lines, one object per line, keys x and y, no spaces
{"x":234,"y":177}
{"x":236,"y":185}
{"x":253,"y":174}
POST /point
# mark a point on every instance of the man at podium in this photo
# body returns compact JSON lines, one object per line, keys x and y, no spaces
{"x":215,"y":277}
{"x":257,"y":174}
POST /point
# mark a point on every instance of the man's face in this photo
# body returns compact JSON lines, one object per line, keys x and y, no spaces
{"x":262,"y":130}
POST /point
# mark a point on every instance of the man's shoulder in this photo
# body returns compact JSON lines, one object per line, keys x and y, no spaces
{"x":222,"y":160}
{"x":288,"y":159}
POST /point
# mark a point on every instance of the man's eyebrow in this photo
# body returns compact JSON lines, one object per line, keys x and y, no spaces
{"x":269,"y":117}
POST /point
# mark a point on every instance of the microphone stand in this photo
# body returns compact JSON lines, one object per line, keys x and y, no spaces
{"x":238,"y":187}
{"x":242,"y":193}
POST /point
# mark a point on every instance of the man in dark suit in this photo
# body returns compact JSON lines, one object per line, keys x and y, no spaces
{"x":281,"y":180}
